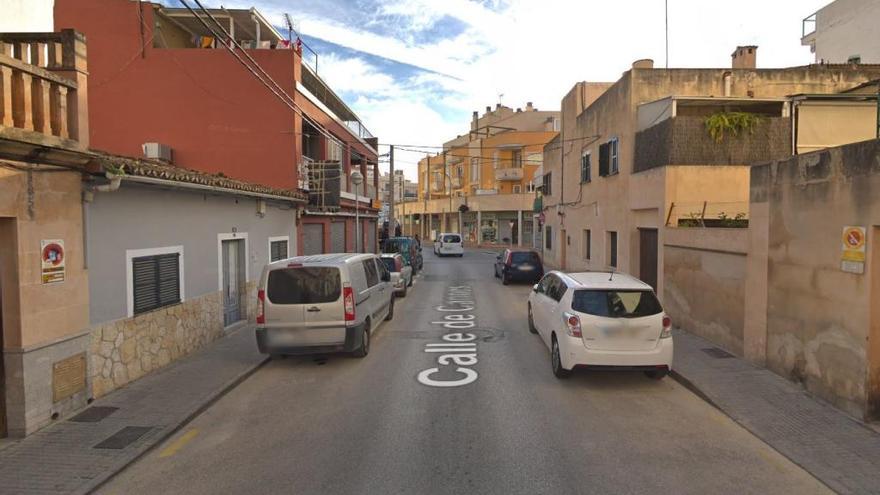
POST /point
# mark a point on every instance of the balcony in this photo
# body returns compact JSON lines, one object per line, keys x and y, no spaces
{"x":684,"y":140}
{"x":41,"y":76}
{"x":509,"y":174}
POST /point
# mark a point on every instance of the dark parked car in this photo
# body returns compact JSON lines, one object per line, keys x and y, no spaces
{"x":518,"y":264}
{"x":408,"y":247}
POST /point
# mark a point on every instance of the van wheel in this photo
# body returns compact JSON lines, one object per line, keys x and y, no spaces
{"x":556,"y":362}
{"x":390,"y":314}
{"x":532,"y":327}
{"x":364,"y":349}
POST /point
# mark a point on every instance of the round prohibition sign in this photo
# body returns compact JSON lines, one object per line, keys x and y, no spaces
{"x":853,"y":238}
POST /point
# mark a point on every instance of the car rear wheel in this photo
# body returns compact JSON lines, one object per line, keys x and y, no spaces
{"x":390,"y":314}
{"x":504,"y":279}
{"x":532,"y":327}
{"x":657,"y":374}
{"x":364,"y":349}
{"x":556,"y":362}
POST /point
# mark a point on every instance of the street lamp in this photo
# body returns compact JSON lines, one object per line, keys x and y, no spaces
{"x":357,"y":179}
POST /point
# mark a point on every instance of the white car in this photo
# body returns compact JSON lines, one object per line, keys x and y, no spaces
{"x":601,"y":320}
{"x":401,"y":273}
{"x":449,"y":244}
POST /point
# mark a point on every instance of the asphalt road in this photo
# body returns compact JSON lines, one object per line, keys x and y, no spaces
{"x":345,"y":425}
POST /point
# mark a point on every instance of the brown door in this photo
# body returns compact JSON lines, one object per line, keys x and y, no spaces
{"x":648,"y":256}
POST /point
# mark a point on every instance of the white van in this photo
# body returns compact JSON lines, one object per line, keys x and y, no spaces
{"x":449,"y":244}
{"x":322,"y":303}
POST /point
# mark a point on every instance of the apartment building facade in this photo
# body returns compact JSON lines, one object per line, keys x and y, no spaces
{"x":481,"y":184}
{"x":844,"y":31}
{"x":183,"y":91}
{"x":640,"y":157}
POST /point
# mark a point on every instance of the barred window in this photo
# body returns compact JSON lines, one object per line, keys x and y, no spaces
{"x":277,"y":250}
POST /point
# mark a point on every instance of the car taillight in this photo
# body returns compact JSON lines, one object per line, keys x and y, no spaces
{"x":348,"y":301}
{"x":572,"y":324}
{"x":667,"y":327}
{"x":261,"y":307}
{"x":508,"y":258}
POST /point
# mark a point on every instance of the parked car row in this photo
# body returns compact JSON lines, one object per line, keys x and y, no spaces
{"x":592,"y":320}
{"x":330,"y":303}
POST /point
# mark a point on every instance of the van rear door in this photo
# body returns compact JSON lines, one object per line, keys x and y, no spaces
{"x":306,"y":299}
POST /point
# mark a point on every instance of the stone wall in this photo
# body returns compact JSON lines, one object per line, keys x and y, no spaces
{"x":124,"y":350}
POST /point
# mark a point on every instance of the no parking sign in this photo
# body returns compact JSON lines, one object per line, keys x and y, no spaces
{"x":52,"y":260}
{"x":853,"y":250}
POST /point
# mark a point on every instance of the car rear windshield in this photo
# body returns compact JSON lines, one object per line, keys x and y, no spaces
{"x":451,"y":238}
{"x":519,"y":258}
{"x":616,"y":303}
{"x":389,"y":264}
{"x":392,"y":246}
{"x":304,"y":285}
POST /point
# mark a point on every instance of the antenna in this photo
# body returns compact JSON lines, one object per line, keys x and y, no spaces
{"x":289,"y":24}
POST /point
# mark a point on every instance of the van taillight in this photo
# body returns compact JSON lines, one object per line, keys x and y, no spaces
{"x":667,"y":327}
{"x":348,"y":302}
{"x":261,"y":306}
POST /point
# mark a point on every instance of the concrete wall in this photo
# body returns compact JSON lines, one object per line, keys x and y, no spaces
{"x":818,"y":317}
{"x":42,"y":323}
{"x":705,"y":282}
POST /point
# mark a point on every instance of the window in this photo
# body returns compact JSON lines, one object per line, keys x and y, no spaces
{"x":604,"y":158}
{"x":586,"y":173}
{"x":614,"y":156}
{"x":546,"y":187}
{"x":530,"y":186}
{"x":612,"y":249}
{"x":548,"y":237}
{"x":334,"y":151}
{"x":495,"y":159}
{"x":156,"y":281}
{"x":517,"y":189}
{"x":460,"y":171}
{"x":616,"y":303}
{"x":475,"y":169}
{"x":588,"y":244}
{"x":371,"y":272}
{"x":854,"y":59}
{"x":383,"y":271}
{"x":303,"y":285}
{"x":516,"y":161}
{"x":277,"y":248}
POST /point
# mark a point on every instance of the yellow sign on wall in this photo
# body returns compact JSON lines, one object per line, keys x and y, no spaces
{"x":852,"y":257}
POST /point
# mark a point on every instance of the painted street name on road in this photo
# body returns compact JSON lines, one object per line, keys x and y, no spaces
{"x":459,"y":348}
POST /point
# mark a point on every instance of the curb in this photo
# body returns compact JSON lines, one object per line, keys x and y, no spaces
{"x":148,"y":447}
{"x":686,"y":383}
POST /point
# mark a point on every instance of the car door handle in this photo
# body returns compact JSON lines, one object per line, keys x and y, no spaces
{"x":313,"y":309}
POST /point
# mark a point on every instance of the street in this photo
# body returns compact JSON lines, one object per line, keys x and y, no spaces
{"x":336,"y":424}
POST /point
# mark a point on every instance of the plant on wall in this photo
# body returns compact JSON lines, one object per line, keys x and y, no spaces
{"x":720,"y":124}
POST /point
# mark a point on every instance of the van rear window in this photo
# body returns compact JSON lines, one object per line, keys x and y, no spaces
{"x":616,"y":303}
{"x":304,"y":285}
{"x":451,"y":238}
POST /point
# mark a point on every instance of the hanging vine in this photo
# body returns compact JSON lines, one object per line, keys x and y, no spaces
{"x":720,"y":124}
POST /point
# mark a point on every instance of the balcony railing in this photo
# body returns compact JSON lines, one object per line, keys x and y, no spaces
{"x":41,"y":76}
{"x":511,"y":174}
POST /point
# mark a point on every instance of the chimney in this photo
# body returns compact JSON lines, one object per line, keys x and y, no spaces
{"x":643,"y":63}
{"x":498,"y":106}
{"x":475,"y":120}
{"x":744,"y":57}
{"x":488,"y":109}
{"x":529,"y":107}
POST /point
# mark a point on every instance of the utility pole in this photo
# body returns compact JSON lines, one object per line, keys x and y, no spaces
{"x":391,"y":193}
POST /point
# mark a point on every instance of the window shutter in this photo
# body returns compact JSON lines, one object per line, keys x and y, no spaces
{"x":156,"y":281}
{"x":604,"y":158}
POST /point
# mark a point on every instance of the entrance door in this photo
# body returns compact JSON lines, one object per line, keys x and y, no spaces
{"x":233,"y":281}
{"x":648,"y":256}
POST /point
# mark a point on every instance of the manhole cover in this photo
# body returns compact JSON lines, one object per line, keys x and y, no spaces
{"x":93,"y":414}
{"x":124,"y":437}
{"x":717,"y":353}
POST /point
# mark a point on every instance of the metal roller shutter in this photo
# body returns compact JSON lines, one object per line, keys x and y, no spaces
{"x":337,"y":237}
{"x":313,"y":238}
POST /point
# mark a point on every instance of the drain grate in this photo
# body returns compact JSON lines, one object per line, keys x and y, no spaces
{"x":717,"y":353}
{"x":93,"y":414}
{"x":124,"y":437}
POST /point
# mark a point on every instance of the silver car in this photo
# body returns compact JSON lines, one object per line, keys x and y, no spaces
{"x":401,"y":273}
{"x":322,"y":303}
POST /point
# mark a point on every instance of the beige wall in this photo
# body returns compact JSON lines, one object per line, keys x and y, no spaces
{"x":818,"y":317}
{"x":824,"y":124}
{"x":46,"y":312}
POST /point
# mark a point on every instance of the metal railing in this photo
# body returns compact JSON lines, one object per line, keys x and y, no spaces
{"x":809,"y":22}
{"x":359,"y":129}
{"x":719,"y":214}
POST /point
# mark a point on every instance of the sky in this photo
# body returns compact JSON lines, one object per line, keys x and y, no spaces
{"x":414,"y":70}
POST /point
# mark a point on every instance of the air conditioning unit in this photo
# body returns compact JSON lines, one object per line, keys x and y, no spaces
{"x":158,"y":151}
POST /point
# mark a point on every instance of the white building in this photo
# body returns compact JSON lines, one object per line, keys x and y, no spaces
{"x":844,"y":31}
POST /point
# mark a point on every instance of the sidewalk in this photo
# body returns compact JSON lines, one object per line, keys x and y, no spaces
{"x":835,"y":448}
{"x":75,"y":457}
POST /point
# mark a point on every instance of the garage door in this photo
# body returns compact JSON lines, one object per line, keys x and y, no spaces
{"x":313,"y":238}
{"x":337,"y":237}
